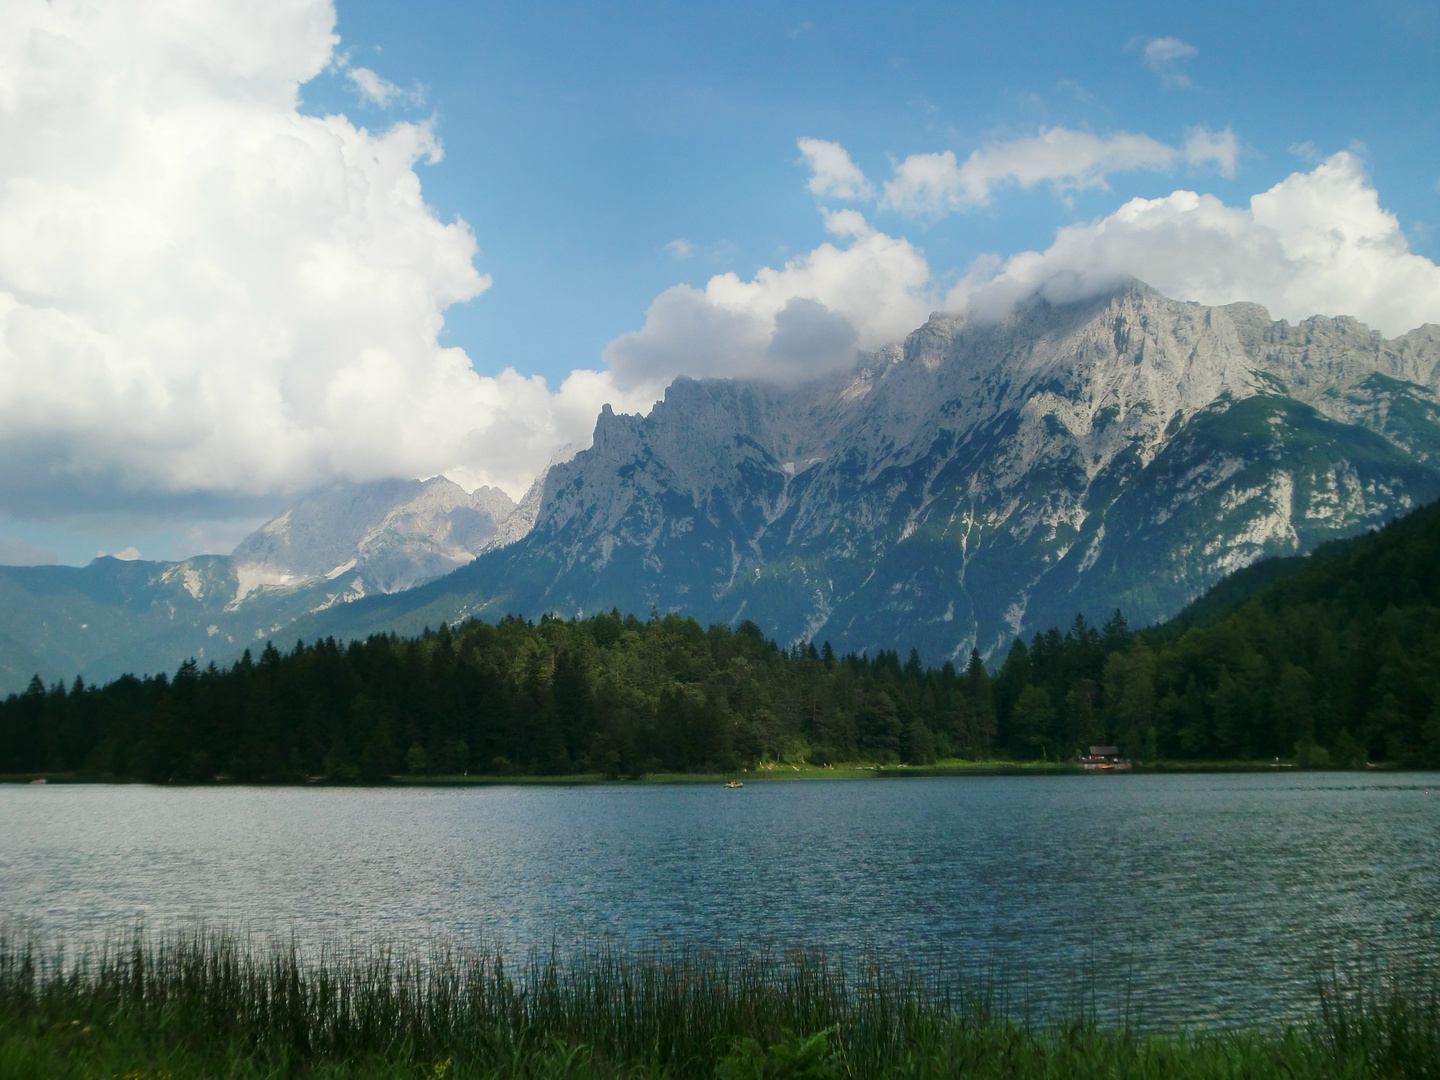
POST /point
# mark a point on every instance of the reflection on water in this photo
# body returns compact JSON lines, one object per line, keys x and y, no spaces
{"x":1195,"y":898}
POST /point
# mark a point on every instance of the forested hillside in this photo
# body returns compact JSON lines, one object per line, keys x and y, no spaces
{"x":1335,"y":659}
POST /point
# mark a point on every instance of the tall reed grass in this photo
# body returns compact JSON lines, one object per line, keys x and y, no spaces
{"x":209,"y":1004}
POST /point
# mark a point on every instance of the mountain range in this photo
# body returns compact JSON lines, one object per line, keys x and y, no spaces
{"x":337,"y":545}
{"x":975,"y":482}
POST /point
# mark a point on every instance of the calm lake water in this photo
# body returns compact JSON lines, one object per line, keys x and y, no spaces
{"x":1196,"y":899}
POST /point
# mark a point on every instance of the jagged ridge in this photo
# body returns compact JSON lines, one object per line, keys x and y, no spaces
{"x":979,"y":480}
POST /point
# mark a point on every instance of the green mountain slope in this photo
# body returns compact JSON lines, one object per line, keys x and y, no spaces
{"x":1329,"y":659}
{"x":112,"y":617}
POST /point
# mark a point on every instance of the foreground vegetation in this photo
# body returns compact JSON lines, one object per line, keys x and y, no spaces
{"x":204,"y":1005}
{"x":1336,"y":663}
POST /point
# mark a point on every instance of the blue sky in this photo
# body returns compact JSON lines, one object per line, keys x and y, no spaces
{"x":247,"y":248}
{"x":581,"y":139}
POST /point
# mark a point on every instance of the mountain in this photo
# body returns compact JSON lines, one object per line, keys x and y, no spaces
{"x":378,"y":537}
{"x":1311,"y":660}
{"x":975,"y":482}
{"x":338,"y":544}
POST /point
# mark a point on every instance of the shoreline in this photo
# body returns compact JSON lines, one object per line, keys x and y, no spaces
{"x":776,"y":774}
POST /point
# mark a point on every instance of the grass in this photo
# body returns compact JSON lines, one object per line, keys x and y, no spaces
{"x":207,"y":1005}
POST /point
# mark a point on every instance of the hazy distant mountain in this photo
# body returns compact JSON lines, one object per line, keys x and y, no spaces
{"x":977,"y":481}
{"x":335,"y":546}
{"x":377,"y":537}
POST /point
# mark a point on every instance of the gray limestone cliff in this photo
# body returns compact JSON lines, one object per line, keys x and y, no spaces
{"x":979,"y":481}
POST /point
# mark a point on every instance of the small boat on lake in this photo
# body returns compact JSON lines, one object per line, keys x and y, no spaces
{"x":733,"y":783}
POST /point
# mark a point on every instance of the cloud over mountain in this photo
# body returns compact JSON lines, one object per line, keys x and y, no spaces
{"x":802,"y":320}
{"x":205,"y":292}
{"x":207,"y":295}
{"x":1315,"y":243}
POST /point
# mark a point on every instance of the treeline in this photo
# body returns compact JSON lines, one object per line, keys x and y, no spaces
{"x":608,"y":694}
{"x":1336,"y":663}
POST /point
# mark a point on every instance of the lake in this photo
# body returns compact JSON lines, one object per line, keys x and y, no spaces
{"x":1184,"y":899}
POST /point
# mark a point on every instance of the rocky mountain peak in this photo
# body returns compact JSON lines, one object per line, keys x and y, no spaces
{"x":983,"y":477}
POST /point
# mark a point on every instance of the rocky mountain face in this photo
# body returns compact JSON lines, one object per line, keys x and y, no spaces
{"x":977,"y":481}
{"x":335,"y":546}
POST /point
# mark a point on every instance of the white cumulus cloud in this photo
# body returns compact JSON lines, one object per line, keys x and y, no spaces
{"x":1164,"y":56}
{"x":380,"y":91}
{"x":933,"y":185}
{"x":208,"y":298}
{"x":207,"y":295}
{"x":805,"y":319}
{"x":832,"y":172}
{"x":1318,"y":242}
{"x":1218,"y":148}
